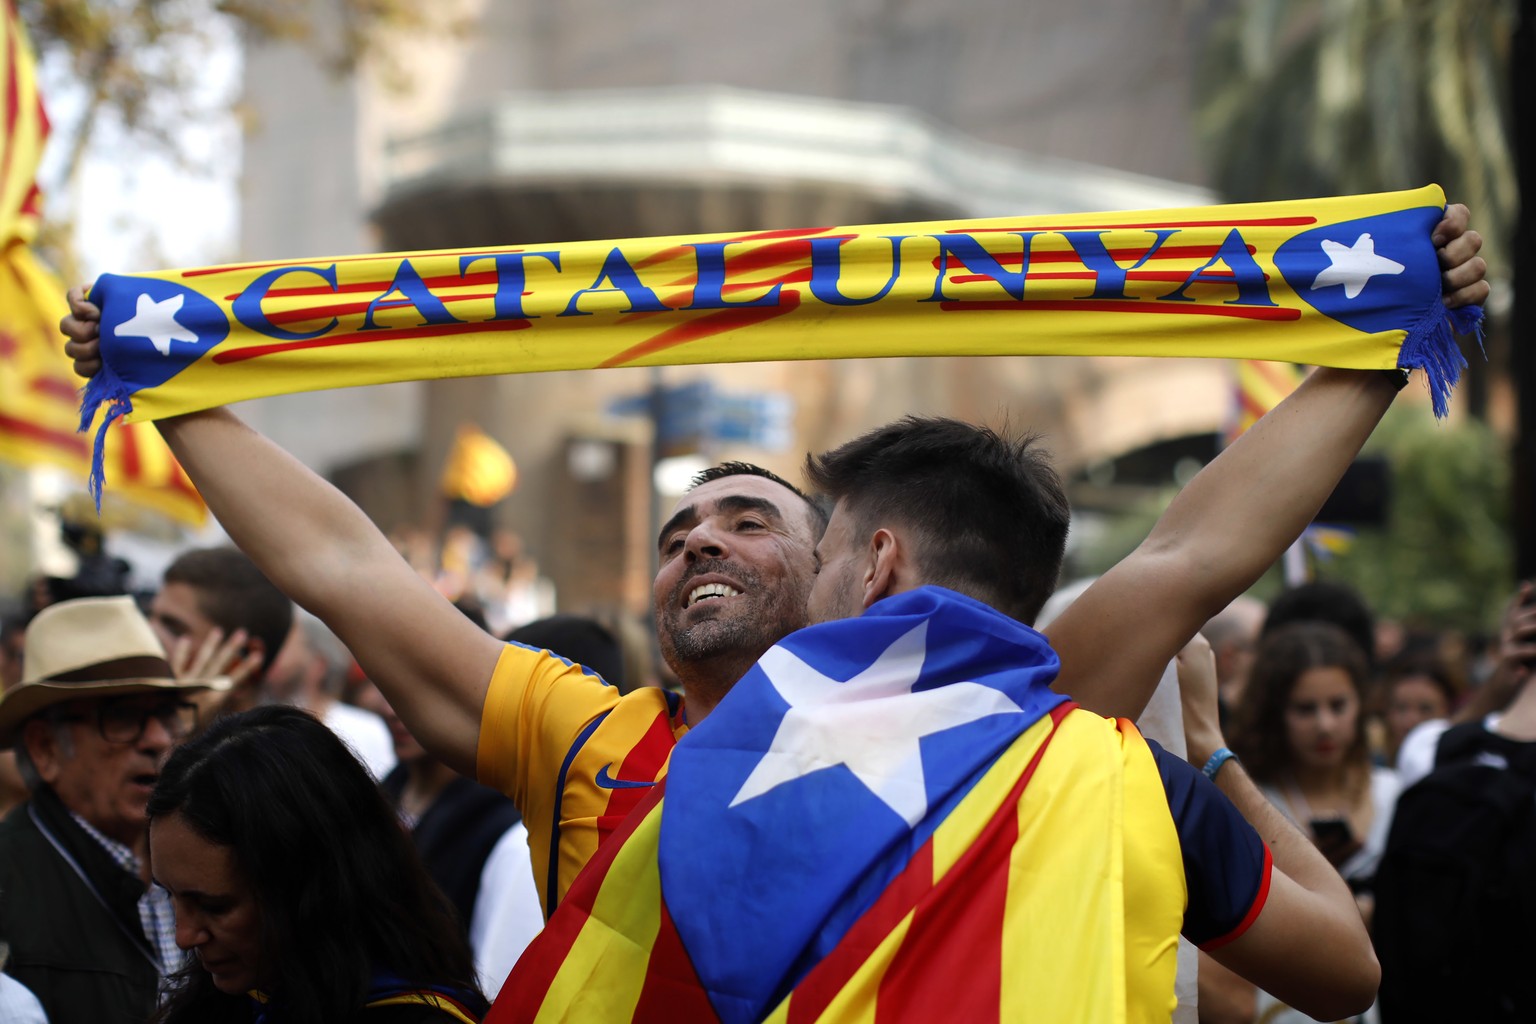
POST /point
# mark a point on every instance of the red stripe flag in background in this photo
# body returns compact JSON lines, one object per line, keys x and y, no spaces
{"x":1259,"y":387}
{"x":38,"y":388}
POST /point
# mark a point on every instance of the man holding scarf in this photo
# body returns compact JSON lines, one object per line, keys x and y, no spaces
{"x":578,"y":757}
{"x":906,"y":819}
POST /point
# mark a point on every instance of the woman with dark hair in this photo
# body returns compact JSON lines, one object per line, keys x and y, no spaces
{"x":293,"y":883}
{"x":1301,"y":735}
{"x":1300,"y":732}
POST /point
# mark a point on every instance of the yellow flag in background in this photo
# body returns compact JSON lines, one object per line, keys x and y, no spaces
{"x":479,"y":470}
{"x":38,"y":388}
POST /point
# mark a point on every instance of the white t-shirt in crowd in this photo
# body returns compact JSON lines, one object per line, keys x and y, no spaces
{"x":367,"y":735}
{"x":17,"y":1003}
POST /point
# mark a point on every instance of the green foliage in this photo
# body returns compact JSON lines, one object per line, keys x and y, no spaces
{"x":1333,"y":97}
{"x":1112,"y":536}
{"x":1444,"y":560}
{"x":1120,"y":533}
{"x":139,"y":62}
{"x":135,"y":73}
{"x":1445,"y":557}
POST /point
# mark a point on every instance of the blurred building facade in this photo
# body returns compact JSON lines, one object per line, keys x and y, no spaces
{"x":598,"y":119}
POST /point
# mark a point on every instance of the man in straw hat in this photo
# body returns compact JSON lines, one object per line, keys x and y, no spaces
{"x":96,"y":711}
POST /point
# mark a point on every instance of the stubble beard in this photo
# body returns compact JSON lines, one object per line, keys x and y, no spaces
{"x":718,"y":651}
{"x":843,"y":602}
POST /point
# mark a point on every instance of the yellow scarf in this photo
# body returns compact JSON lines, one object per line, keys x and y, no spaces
{"x":1349,"y":282}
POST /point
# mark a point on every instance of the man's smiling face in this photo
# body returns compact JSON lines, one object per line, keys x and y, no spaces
{"x":736,"y":567}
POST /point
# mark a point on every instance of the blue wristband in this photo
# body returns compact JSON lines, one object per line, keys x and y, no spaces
{"x":1218,"y":759}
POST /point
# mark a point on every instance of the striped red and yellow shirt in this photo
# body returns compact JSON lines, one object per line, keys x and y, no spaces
{"x":574,"y":754}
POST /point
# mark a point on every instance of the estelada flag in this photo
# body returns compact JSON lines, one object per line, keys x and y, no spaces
{"x":1258,"y":387}
{"x":38,"y":389}
{"x":890,"y":818}
{"x":39,"y":397}
{"x":1350,"y":282}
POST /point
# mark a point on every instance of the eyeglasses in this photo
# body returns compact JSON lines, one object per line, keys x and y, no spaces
{"x":122,"y":721}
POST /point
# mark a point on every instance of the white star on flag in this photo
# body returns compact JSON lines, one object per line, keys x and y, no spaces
{"x":1354,"y":265}
{"x":871,"y":723}
{"x":157,"y":322}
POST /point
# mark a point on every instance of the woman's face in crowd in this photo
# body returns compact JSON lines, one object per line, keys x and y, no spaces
{"x":1414,"y":699}
{"x":216,"y":912}
{"x":1321,"y":717}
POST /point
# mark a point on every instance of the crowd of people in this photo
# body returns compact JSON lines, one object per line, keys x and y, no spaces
{"x":228,"y":642}
{"x":190,"y":792}
{"x":1334,"y":725}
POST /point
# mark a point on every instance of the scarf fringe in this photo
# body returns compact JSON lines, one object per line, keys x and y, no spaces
{"x":1431,"y":346}
{"x":104,"y":388}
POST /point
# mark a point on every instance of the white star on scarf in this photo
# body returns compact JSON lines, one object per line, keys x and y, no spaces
{"x":1354,"y":265}
{"x":871,"y":723}
{"x":157,"y":322}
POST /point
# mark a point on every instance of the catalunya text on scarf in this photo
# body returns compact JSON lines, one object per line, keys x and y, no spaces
{"x":1349,"y":282}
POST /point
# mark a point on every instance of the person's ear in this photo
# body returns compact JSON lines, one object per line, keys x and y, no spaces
{"x":42,"y":742}
{"x":257,"y":648}
{"x":883,"y":570}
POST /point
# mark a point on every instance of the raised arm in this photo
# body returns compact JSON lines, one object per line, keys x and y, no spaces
{"x":1514,"y":658}
{"x":1231,"y":522}
{"x":1308,"y":946}
{"x":431,"y":662}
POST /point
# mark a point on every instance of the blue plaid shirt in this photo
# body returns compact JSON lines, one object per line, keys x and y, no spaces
{"x":155,"y":911}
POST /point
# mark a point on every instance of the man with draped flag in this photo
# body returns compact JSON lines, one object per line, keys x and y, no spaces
{"x":893,"y":816}
{"x":38,"y":391}
{"x":737,"y":566}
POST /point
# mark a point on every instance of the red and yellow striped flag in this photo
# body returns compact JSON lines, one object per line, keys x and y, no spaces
{"x":1258,"y":388}
{"x":38,"y":389}
{"x":894,"y":819}
{"x":966,"y":931}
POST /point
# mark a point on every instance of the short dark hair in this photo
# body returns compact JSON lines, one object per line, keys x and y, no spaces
{"x":1427,"y":666}
{"x":234,"y":594}
{"x":576,"y":638}
{"x":1326,"y":601}
{"x":342,"y":891}
{"x":1283,"y":657}
{"x":988,"y":509}
{"x":820,"y":508}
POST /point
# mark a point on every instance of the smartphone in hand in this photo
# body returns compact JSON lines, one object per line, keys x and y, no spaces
{"x":1334,"y":838}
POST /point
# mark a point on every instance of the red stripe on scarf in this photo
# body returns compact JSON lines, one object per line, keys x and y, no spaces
{"x":705,"y":326}
{"x":1248,"y":222}
{"x":1121,"y":255}
{"x":1118,"y":306}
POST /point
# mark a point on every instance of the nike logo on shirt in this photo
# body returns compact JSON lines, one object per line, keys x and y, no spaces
{"x":609,"y":782}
